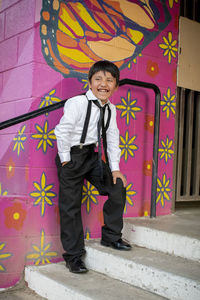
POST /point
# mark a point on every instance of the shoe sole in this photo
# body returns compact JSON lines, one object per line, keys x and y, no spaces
{"x":111,"y":246}
{"x":77,"y":272}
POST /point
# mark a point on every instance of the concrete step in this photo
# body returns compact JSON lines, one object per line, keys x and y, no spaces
{"x":175,"y":234}
{"x":168,"y":276}
{"x":55,"y":282}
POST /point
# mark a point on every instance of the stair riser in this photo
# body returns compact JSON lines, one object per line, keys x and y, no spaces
{"x":147,"y":278}
{"x":177,"y":245}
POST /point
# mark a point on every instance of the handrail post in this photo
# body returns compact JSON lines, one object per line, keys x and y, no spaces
{"x":155,"y":155}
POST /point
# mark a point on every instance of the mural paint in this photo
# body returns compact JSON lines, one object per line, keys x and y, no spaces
{"x":76,"y":34}
{"x":141,"y":38}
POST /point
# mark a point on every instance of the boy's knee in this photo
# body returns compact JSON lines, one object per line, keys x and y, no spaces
{"x":121,"y":188}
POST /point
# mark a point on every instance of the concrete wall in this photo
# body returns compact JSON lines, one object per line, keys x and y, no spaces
{"x":41,"y":65}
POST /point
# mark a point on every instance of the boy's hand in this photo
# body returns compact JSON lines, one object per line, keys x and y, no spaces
{"x":64,"y":163}
{"x":118,"y":174}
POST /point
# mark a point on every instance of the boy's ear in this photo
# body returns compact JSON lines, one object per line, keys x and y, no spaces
{"x":116,"y":88}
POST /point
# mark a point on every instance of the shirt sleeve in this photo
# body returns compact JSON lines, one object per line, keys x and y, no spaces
{"x":113,"y":149}
{"x":64,"y":129}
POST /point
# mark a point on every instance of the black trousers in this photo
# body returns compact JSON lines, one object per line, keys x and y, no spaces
{"x":84,"y":165}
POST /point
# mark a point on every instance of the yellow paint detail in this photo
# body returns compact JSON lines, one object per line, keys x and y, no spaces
{"x":16,"y":216}
{"x":72,"y":23}
{"x":87,"y":18}
{"x":46,"y":50}
{"x":115,"y":50}
{"x":151,"y":123}
{"x":74,"y":54}
{"x":136,"y":36}
{"x":148,"y":166}
{"x":44,"y":29}
{"x":65,"y":30}
{"x":5,"y":255}
{"x":87,"y":236}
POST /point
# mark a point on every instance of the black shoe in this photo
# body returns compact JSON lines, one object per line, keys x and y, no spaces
{"x":119,"y":245}
{"x":76,"y":266}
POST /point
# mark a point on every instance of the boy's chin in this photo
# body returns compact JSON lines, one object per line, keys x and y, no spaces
{"x":103,"y":97}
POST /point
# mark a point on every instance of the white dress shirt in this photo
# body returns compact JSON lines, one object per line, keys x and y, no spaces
{"x":69,"y":130}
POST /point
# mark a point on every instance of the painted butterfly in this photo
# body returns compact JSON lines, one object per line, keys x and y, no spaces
{"x":76,"y":34}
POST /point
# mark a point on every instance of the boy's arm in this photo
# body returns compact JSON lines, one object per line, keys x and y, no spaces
{"x":113,"y":149}
{"x":112,"y":135}
{"x":64,"y":129}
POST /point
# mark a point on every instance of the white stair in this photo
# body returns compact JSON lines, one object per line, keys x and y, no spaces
{"x":166,"y":275}
{"x":55,"y":282}
{"x":163,"y":264}
{"x":172,"y":235}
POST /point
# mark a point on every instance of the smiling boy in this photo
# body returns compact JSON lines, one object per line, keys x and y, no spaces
{"x":77,"y":135}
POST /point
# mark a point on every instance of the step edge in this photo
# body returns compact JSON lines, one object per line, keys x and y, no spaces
{"x":136,"y":234}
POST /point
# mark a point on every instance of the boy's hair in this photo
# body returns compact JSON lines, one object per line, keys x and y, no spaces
{"x":105,"y":66}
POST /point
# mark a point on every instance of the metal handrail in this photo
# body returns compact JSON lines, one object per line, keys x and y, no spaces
{"x":126,"y":81}
{"x":155,"y":139}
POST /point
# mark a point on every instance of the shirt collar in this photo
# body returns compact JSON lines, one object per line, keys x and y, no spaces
{"x":91,"y":96}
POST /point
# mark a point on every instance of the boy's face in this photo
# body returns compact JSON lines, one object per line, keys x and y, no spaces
{"x":103,"y":85}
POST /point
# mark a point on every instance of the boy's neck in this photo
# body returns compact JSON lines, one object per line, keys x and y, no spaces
{"x":103,"y":102}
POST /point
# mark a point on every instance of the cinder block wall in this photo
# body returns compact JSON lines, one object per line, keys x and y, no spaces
{"x":31,"y":78}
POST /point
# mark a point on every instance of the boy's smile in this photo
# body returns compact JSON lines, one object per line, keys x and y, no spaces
{"x":103,"y":85}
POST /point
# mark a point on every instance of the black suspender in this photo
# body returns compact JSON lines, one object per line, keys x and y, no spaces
{"x":85,"y":127}
{"x":109,"y":117}
{"x":104,"y":128}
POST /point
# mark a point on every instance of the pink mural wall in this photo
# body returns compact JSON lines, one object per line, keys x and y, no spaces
{"x":44,"y":60}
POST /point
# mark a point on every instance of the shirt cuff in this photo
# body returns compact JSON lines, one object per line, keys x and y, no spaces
{"x":114,"y":166}
{"x":64,"y":156}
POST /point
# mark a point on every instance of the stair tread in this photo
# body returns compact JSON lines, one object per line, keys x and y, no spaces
{"x":91,"y":285}
{"x":153,"y":259}
{"x":182,"y":223}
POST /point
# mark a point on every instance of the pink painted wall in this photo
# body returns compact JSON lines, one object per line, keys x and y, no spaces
{"x":29,"y":220}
